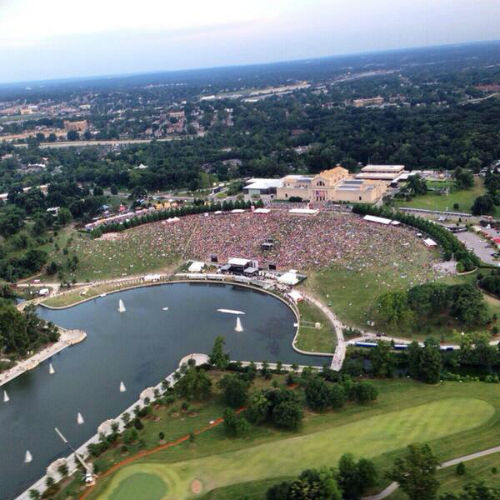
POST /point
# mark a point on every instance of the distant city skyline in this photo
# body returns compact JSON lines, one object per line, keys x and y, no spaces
{"x":53,"y":39}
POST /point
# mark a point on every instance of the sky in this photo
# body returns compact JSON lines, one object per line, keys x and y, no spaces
{"x":45,"y":39}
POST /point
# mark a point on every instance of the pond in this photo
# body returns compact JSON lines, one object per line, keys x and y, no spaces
{"x":139,"y":347}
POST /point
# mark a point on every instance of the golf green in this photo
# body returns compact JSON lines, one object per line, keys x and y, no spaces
{"x":140,"y":486}
{"x":368,"y":438}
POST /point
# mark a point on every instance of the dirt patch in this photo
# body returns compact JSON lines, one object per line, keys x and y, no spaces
{"x":111,"y":237}
{"x":196,"y":486}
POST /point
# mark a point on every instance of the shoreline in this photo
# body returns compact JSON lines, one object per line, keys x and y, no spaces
{"x":67,"y":338}
{"x":208,"y":280}
{"x":105,"y":426}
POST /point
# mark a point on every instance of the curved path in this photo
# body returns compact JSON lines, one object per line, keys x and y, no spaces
{"x":450,"y":463}
{"x":340,"y":350}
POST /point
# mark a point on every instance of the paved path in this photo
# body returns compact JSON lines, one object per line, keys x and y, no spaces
{"x":340,"y":350}
{"x":450,"y":463}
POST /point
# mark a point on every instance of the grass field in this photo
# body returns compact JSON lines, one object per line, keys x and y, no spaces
{"x":314,"y":339}
{"x":454,"y":418}
{"x":479,"y":469}
{"x":352,"y":293}
{"x":433,"y":201}
{"x":140,"y":485}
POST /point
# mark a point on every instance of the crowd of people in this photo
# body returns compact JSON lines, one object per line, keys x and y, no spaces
{"x":300,"y":242}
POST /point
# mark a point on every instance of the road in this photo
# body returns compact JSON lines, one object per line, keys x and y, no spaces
{"x":450,"y":463}
{"x":479,"y":246}
{"x":114,"y":142}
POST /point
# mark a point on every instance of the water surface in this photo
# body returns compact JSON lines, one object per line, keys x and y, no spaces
{"x":139,"y":347}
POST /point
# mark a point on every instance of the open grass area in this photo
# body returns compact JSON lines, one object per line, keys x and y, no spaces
{"x":455,"y":419}
{"x":433,"y":201}
{"x":352,"y":293}
{"x":314,"y":339}
{"x":140,"y":485}
{"x":113,"y":258}
{"x":479,"y":469}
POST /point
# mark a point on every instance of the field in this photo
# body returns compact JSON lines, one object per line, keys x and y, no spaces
{"x":432,"y":201}
{"x":479,"y":469}
{"x":454,"y":418}
{"x":314,"y":339}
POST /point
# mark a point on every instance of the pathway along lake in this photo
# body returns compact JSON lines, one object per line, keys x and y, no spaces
{"x":139,"y":347}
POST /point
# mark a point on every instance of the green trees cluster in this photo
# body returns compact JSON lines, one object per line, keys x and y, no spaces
{"x":22,"y":332}
{"x":424,"y":304}
{"x":278,"y":406}
{"x":349,"y":481}
{"x":320,"y":396}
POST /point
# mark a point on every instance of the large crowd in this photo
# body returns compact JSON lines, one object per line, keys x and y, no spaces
{"x":300,"y":242}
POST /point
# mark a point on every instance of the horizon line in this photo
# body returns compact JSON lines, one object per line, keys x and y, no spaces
{"x":67,"y":79}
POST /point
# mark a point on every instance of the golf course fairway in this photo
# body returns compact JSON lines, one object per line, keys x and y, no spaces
{"x":367,"y":438}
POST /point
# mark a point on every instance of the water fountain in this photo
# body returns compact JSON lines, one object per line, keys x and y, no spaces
{"x":28,"y":457}
{"x":51,"y":369}
{"x":79,"y":419}
{"x":122,"y":387}
{"x":238,"y":327}
{"x":6,"y":398}
{"x":121,"y":306}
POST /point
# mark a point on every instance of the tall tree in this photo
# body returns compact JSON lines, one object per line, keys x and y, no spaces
{"x":416,"y":472}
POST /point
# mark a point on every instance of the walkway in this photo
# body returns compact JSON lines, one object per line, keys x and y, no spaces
{"x":450,"y":463}
{"x":340,"y":350}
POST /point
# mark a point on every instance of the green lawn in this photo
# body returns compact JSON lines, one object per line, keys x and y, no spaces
{"x":433,"y":201}
{"x":479,"y":469}
{"x":140,"y":485}
{"x":352,"y":293}
{"x":132,"y":253}
{"x":454,"y":418}
{"x":314,"y":339}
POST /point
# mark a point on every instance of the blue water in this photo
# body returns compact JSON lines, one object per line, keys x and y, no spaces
{"x":140,"y":347}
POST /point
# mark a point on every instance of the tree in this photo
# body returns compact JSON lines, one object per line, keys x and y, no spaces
{"x":355,"y":477}
{"x":383,"y":361}
{"x":234,"y":425}
{"x":35,"y":494}
{"x":416,"y":471}
{"x":365,"y":392}
{"x":259,"y":408}
{"x":287,"y":415}
{"x":234,"y":390}
{"x":312,"y":484}
{"x":72,"y":135}
{"x":417,"y":184}
{"x":194,"y":385}
{"x":337,"y":396}
{"x":393,"y":309}
{"x":63,"y":216}
{"x":463,"y":178}
{"x":63,"y":470}
{"x":317,"y":394}
{"x":483,"y":205}
{"x":218,"y":357}
{"x":460,"y":469}
{"x":430,"y":363}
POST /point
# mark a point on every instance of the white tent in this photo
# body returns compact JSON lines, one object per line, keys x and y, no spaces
{"x":289,"y":278}
{"x":196,"y":267}
{"x":430,"y":243}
